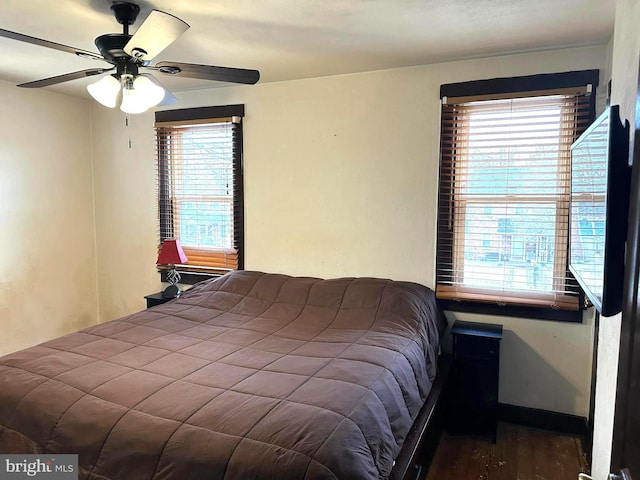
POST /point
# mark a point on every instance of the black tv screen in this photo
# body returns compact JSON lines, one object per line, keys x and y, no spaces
{"x":599,"y":208}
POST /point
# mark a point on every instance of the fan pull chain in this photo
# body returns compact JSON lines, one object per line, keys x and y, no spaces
{"x":126,"y":123}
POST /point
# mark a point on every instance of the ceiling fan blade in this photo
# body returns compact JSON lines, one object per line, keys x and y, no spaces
{"x":45,"y":82}
{"x":46,"y":43}
{"x":209,"y":72}
{"x":157,"y":32}
{"x":169,"y":99}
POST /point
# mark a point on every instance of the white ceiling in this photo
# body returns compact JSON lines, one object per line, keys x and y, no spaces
{"x":293,"y":39}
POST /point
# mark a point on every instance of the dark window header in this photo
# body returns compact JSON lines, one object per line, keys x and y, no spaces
{"x":545,"y":81}
{"x":200,"y":112}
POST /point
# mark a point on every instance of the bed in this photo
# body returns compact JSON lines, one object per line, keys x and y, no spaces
{"x":248,"y":376}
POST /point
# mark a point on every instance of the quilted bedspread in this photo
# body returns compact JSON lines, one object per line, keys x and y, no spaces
{"x":249,"y":376}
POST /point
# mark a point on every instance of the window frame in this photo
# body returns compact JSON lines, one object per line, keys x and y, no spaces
{"x":505,"y":88}
{"x":192,"y":274}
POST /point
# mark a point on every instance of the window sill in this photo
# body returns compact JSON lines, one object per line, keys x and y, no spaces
{"x":572,"y":316}
{"x":189,"y":278}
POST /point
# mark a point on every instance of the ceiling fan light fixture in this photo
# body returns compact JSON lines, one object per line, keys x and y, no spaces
{"x":139,"y":94}
{"x":153,"y":93}
{"x":105,"y":91}
{"x":129,"y":53}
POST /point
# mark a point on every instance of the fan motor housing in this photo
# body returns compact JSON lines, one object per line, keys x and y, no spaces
{"x":111,"y":46}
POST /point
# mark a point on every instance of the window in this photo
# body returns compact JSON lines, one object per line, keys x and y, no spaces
{"x":200,"y":199}
{"x":504,"y":193}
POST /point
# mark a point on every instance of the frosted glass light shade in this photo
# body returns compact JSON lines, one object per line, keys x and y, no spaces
{"x":105,"y":91}
{"x":131,"y":101}
{"x":140,"y":95}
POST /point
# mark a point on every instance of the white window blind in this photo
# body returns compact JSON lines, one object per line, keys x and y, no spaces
{"x":504,"y":198}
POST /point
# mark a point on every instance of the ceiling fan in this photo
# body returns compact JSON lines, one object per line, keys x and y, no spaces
{"x":128,"y":54}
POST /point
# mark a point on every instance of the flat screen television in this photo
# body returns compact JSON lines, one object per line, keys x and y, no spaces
{"x":599,"y":208}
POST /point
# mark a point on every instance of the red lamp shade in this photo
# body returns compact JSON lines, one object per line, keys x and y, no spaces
{"x":171,"y":253}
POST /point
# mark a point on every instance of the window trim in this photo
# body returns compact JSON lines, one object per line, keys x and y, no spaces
{"x":195,"y":116}
{"x":528,"y":83}
{"x":512,"y":87}
{"x":191,"y":115}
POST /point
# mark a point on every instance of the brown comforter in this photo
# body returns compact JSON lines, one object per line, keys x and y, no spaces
{"x":249,"y":376}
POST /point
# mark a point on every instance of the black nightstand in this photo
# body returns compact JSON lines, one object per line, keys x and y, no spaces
{"x":156,"y":299}
{"x":476,"y":367}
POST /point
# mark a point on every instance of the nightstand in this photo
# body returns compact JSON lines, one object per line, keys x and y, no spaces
{"x":156,"y":299}
{"x":476,"y":367}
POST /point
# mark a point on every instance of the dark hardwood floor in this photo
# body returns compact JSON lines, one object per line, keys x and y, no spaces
{"x":520,"y":453}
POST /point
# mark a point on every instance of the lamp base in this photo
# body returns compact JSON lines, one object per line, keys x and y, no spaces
{"x":173,"y":276}
{"x":172,"y":291}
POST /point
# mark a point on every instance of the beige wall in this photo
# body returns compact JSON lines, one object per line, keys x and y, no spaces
{"x":626,"y":55}
{"x":340,"y":179}
{"x":48,"y":282}
{"x":125,"y":205}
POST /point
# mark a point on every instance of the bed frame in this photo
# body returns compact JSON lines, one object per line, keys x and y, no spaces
{"x":419,"y":448}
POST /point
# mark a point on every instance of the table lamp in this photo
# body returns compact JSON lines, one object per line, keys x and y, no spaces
{"x":171,"y":253}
